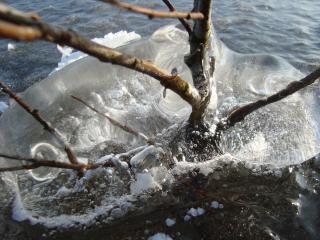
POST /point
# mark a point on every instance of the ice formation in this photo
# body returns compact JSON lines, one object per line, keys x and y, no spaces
{"x":160,"y":236}
{"x":270,"y":137}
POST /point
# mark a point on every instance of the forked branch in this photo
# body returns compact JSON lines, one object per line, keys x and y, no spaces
{"x":182,"y":21}
{"x":240,"y":113}
{"x":11,"y":25}
{"x":37,"y":116}
{"x":153,"y":13}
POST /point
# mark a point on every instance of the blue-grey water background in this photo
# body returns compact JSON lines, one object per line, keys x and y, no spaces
{"x":289,"y":29}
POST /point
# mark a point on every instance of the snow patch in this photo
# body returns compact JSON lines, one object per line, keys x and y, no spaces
{"x":160,"y":236}
{"x":111,"y":40}
{"x":170,"y":222}
{"x":144,"y":182}
{"x":11,"y":47}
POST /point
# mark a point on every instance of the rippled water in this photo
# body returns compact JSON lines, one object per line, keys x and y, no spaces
{"x":283,"y":28}
{"x":280,"y":135}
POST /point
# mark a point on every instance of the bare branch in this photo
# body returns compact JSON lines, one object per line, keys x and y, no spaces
{"x":43,"y":31}
{"x":200,"y":60}
{"x":36,"y":163}
{"x":36,"y":115}
{"x":182,"y":21}
{"x":152,"y":13}
{"x":115,"y":122}
{"x":240,"y":113}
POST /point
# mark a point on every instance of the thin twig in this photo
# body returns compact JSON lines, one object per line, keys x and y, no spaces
{"x":36,"y":115}
{"x":38,"y":30}
{"x":182,"y":21}
{"x":240,"y":113}
{"x":36,"y":163}
{"x":153,"y":13}
{"x":113,"y":121}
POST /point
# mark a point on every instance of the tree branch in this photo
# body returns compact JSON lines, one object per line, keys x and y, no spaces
{"x":36,"y":163}
{"x":200,"y":60}
{"x":39,"y":30}
{"x":36,"y":115}
{"x":182,"y":21}
{"x":152,"y":13}
{"x":115,"y":122}
{"x":240,"y":113}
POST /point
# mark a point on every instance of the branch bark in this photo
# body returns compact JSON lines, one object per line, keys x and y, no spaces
{"x":182,"y":21}
{"x":46,"y":125}
{"x":240,"y":113}
{"x":38,"y":30}
{"x":37,"y":162}
{"x":152,"y":13}
{"x":200,"y":61}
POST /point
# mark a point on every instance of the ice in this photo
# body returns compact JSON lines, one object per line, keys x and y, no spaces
{"x":3,"y":107}
{"x":195,"y":212}
{"x":148,"y":158}
{"x":144,"y":182}
{"x":281,"y":134}
{"x":11,"y":47}
{"x":215,"y":204}
{"x":170,"y":222}
{"x":160,"y":236}
{"x":111,"y":40}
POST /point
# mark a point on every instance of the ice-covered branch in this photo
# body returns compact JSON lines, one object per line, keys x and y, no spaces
{"x":200,"y":60}
{"x":153,"y":13}
{"x":240,"y":113}
{"x":46,"y":125}
{"x":36,"y":163}
{"x":182,"y":21}
{"x":114,"y":122}
{"x":38,"y":30}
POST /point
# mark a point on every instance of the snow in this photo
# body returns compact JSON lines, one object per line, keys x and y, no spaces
{"x":160,"y":236}
{"x":194,"y":212}
{"x":11,"y":47}
{"x":215,"y":204}
{"x":143,"y":183}
{"x":170,"y":222}
{"x":111,"y":40}
{"x":187,"y":218}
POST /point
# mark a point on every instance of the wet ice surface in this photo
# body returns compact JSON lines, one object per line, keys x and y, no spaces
{"x":281,"y":134}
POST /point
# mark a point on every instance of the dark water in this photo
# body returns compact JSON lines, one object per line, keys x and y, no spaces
{"x":288,"y":29}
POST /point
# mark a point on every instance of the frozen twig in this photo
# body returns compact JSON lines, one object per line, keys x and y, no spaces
{"x":36,"y":163}
{"x":153,"y":13}
{"x":11,"y":25}
{"x":240,"y":113}
{"x":182,"y":21}
{"x":46,"y":125}
{"x":113,"y":121}
{"x":200,"y":60}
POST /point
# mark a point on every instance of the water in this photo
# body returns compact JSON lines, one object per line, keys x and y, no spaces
{"x":278,"y":136}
